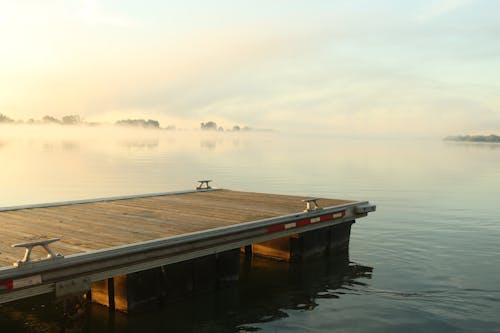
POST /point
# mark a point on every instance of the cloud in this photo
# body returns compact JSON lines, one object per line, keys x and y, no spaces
{"x":370,"y":71}
{"x":441,"y":7}
{"x":91,"y":13}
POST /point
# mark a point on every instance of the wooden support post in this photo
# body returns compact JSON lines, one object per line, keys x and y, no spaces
{"x":248,"y":251}
{"x":278,"y":249}
{"x":205,"y":273}
{"x":311,"y":243}
{"x":178,"y":279}
{"x":111,"y":294}
{"x":130,"y":293}
{"x":228,"y":267}
{"x":100,"y":292}
{"x":339,"y":237}
{"x":145,"y":290}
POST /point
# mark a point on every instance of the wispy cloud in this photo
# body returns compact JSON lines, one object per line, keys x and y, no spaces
{"x":441,"y":7}
{"x":91,"y":13}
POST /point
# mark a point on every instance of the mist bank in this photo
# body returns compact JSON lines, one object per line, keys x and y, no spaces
{"x":474,"y":138}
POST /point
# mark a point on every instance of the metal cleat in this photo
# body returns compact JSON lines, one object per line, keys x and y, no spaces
{"x":204,"y":185}
{"x":51,"y":255}
{"x":311,"y":204}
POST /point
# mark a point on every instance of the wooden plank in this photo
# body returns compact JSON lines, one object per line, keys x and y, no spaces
{"x":40,"y":226}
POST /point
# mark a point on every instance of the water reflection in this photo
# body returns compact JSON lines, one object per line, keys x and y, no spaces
{"x":39,"y":314}
{"x":208,"y":144}
{"x":475,"y":145}
{"x":265,"y":292}
{"x":70,"y":146}
{"x":53,"y":146}
{"x":138,"y":144}
{"x":274,"y":288}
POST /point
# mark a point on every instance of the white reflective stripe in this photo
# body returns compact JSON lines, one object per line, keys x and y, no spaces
{"x":27,"y":281}
{"x":315,"y":219}
{"x":290,"y":225}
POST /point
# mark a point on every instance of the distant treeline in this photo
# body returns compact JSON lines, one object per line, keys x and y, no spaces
{"x":212,"y":126}
{"x":77,"y":120}
{"x":149,"y":123}
{"x":66,"y":120}
{"x":474,"y":138}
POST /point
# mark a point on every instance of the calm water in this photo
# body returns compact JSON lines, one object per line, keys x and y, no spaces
{"x":427,"y":260}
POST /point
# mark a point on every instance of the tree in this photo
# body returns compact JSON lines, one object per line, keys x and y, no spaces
{"x":210,"y":125}
{"x":50,"y":120}
{"x":71,"y":120}
{"x":150,"y":123}
{"x":5,"y":119}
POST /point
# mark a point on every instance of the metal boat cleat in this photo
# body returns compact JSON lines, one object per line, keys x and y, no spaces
{"x":26,"y":261}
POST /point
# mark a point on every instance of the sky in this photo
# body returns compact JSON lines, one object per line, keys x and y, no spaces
{"x":386,"y":68}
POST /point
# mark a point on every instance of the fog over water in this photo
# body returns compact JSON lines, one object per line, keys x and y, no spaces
{"x":385,"y":68}
{"x":427,"y":260}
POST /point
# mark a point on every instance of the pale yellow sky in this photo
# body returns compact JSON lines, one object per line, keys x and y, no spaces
{"x":385,"y":69}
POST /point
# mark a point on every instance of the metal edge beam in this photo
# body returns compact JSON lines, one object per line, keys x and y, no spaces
{"x":16,"y":295}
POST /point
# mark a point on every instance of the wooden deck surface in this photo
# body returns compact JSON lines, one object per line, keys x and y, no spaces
{"x":99,"y":225}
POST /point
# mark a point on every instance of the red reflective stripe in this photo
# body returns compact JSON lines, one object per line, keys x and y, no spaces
{"x":275,"y":228}
{"x":325,"y":217}
{"x":301,"y":223}
{"x":8,"y":284}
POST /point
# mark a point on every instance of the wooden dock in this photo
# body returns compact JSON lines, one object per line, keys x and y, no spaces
{"x":103,"y":238}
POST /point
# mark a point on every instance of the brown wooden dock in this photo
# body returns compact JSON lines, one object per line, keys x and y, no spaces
{"x":121,"y":241}
{"x":94,"y":226}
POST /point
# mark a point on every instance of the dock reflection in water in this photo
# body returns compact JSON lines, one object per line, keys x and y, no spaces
{"x":266,"y":291}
